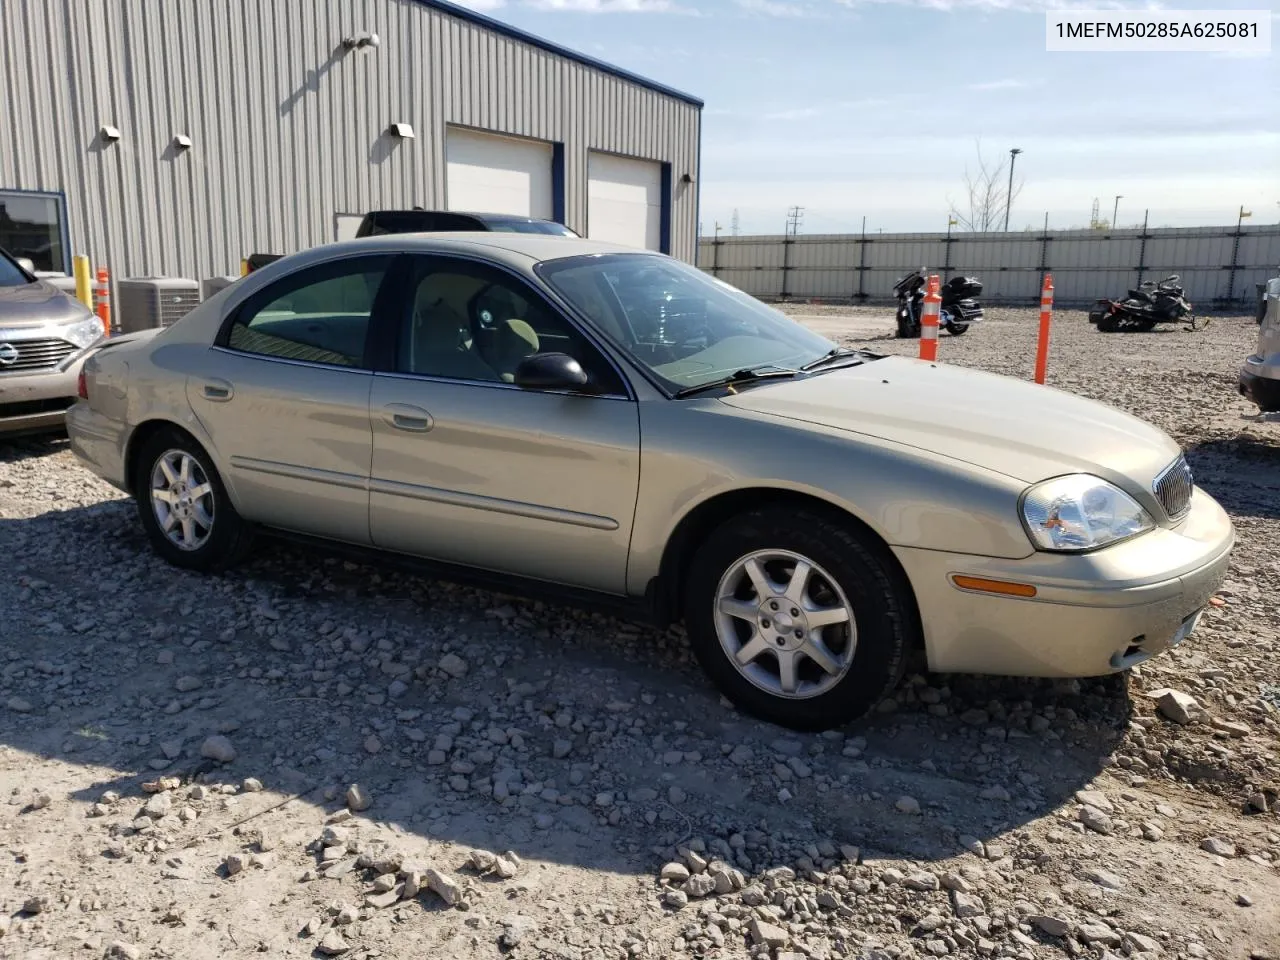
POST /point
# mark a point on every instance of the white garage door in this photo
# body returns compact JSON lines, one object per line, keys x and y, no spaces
{"x":486,"y":173}
{"x":624,"y":201}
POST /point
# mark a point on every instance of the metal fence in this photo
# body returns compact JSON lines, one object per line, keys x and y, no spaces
{"x":1220,"y":266}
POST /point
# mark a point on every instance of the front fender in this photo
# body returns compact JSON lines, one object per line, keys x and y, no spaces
{"x":694,"y":453}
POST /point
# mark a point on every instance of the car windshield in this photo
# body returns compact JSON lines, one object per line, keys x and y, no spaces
{"x":687,"y":327}
{"x":10,"y":275}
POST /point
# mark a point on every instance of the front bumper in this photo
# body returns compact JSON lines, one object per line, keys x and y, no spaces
{"x":37,"y":401}
{"x":1093,"y":614}
{"x":1264,"y":391}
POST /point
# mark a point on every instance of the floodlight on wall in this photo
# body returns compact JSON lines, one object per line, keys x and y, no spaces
{"x":401,"y":130}
{"x":361,"y":41}
{"x":182,"y":142}
{"x":110,"y":134}
{"x":687,"y":178}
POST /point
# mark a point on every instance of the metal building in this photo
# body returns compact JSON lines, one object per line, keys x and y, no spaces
{"x":174,"y":139}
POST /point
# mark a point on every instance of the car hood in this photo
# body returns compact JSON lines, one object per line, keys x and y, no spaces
{"x":36,"y":305}
{"x":1020,"y":429}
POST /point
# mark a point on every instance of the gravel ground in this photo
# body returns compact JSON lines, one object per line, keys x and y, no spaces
{"x":317,"y":757}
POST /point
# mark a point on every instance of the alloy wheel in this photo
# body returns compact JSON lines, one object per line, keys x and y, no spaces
{"x":182,"y":498}
{"x":785,"y":624}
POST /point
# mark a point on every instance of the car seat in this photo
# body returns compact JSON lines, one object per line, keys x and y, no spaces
{"x":436,"y":347}
{"x":513,"y":341}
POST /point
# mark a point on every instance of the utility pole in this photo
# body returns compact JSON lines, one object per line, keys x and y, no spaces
{"x":1008,"y":202}
{"x":1115,"y":211}
{"x":794,"y":218}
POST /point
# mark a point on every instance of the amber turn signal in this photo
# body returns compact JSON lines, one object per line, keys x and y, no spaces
{"x":1001,"y":587}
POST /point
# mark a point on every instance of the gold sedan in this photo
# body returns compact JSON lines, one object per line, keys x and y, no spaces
{"x":613,"y":426}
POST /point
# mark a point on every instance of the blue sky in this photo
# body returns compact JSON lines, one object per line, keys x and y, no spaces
{"x":853,"y":108}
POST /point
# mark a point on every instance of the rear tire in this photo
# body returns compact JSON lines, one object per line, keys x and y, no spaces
{"x":184,"y":506}
{"x":956,"y":329}
{"x":845,"y":624}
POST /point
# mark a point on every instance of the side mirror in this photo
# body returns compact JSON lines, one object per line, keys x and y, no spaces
{"x":551,"y":371}
{"x":26,"y":264}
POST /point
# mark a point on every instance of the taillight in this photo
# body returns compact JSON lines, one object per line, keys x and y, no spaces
{"x":81,"y":387}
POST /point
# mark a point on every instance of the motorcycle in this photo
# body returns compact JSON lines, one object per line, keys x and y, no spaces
{"x":1153,"y":302}
{"x":959,"y":307}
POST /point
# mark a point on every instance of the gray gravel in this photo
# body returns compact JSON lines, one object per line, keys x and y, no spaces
{"x":341,"y":759}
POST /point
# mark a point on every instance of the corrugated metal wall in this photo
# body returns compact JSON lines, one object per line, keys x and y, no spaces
{"x":1214,"y":262}
{"x":288,"y":128}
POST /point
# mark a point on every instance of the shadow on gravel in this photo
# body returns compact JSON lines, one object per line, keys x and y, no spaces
{"x":611,"y":744}
{"x":1242,"y":473}
{"x":13,"y":449}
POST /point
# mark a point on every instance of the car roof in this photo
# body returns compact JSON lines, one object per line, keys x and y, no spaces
{"x":535,"y":247}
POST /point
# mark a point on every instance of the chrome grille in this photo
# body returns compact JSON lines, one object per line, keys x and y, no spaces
{"x":1173,"y":488}
{"x":23,"y":356}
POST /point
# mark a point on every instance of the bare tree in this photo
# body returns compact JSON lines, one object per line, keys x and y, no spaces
{"x":988,"y":195}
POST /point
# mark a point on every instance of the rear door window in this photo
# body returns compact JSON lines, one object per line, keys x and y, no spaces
{"x":318,"y":315}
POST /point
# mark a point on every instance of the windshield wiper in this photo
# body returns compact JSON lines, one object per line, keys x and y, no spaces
{"x":835,"y":353}
{"x":767,"y":371}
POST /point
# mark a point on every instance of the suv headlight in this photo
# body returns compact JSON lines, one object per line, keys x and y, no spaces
{"x":83,"y":332}
{"x":1081,"y":512}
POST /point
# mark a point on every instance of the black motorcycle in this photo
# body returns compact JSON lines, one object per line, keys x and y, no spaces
{"x":1153,"y":302}
{"x":959,"y":307}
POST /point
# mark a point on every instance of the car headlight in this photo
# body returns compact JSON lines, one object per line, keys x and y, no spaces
{"x":83,"y":332}
{"x":1081,"y":512}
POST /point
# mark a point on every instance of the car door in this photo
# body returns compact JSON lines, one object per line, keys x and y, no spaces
{"x":469,"y":468}
{"x":285,"y":398}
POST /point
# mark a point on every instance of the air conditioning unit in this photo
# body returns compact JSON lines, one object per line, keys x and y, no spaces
{"x":146,"y":302}
{"x":211,"y":285}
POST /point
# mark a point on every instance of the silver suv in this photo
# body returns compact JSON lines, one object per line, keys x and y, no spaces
{"x":45,"y":336}
{"x":1260,"y":376}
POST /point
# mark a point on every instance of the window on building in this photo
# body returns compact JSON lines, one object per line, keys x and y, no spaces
{"x":33,"y":225}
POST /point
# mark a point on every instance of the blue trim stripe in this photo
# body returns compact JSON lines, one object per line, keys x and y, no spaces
{"x":557,"y":183}
{"x":664,"y":224}
{"x":497,"y":26}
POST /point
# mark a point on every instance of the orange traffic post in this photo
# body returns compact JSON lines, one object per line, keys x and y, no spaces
{"x":1046,"y":322}
{"x":103,"y":298}
{"x":929,"y":320}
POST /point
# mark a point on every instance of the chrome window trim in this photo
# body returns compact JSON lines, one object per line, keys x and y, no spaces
{"x":312,"y":364}
{"x":500,"y":385}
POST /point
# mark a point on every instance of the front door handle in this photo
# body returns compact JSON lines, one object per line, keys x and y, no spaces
{"x":218,"y":390}
{"x":405,"y":416}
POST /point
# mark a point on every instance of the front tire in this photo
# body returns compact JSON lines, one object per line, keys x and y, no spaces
{"x":956,"y":329}
{"x":184,"y":506}
{"x":800,"y":620}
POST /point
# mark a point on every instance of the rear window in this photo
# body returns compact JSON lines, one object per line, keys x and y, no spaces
{"x":10,"y":275}
{"x":501,"y":225}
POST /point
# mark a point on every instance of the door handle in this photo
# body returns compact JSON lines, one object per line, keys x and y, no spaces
{"x":405,"y":416}
{"x":218,"y":390}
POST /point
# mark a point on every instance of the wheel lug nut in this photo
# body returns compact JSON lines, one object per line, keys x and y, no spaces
{"x":765,"y":624}
{"x":773,"y":605}
{"x":795,"y":612}
{"x":799,"y":634}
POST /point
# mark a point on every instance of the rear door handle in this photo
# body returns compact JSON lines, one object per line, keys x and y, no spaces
{"x":405,"y":416}
{"x":218,"y":390}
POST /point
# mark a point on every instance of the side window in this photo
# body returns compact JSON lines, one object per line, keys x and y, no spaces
{"x":320,"y":315}
{"x":467,"y":321}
